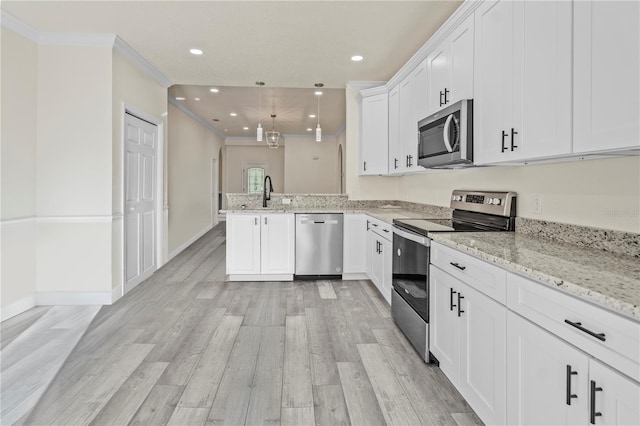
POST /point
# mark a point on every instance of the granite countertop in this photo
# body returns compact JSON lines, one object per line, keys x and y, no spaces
{"x":606,"y":279}
{"x":384,"y":214}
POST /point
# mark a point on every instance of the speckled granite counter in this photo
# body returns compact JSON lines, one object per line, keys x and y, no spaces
{"x":606,"y":279}
{"x":385,"y":215}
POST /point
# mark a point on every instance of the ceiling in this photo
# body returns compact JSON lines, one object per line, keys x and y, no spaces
{"x":286,"y":44}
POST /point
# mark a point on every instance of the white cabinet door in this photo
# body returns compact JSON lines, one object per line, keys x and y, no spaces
{"x":395,"y":147}
{"x":461,"y":45}
{"x":277,"y":243}
{"x":482,"y":381}
{"x":355,"y":244}
{"x":377,"y":266}
{"x":614,"y":399}
{"x":493,"y":84}
{"x":606,"y":69}
{"x":386,"y":259}
{"x":243,"y":244}
{"x":443,"y":322}
{"x":439,"y":76}
{"x":375,"y":135}
{"x":408,"y":128}
{"x":546,"y":377}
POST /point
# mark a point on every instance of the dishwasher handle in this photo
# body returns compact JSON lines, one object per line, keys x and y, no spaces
{"x":318,"y":222}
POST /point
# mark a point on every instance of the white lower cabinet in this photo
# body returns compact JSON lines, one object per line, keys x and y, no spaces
{"x":551,"y":382}
{"x":379,"y":259}
{"x":468,"y":337}
{"x":354,"y":244}
{"x":260,"y":246}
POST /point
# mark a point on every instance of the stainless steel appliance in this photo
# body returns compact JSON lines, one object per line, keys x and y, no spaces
{"x":319,"y":245}
{"x":473,"y":211}
{"x":446,"y":137}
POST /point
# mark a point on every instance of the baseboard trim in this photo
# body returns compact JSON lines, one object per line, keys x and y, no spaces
{"x":74,"y":298}
{"x":18,"y":307}
{"x":116,"y":293}
{"x":190,"y":241}
{"x":355,"y":276}
{"x":261,"y":277}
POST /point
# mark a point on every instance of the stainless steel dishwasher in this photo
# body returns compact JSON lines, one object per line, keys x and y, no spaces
{"x":319,"y":245}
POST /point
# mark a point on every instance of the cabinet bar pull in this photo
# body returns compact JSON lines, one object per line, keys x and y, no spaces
{"x":504,"y":148}
{"x":446,"y":91}
{"x":462,"y":268}
{"x":513,"y":132}
{"x":578,"y":325}
{"x":395,"y":163}
{"x":441,"y":95}
{"x":265,"y":220}
{"x":367,"y":225}
{"x":569,"y":374}
{"x":594,"y":413}
{"x":460,"y":297}
{"x":255,"y":219}
{"x":451,"y":293}
{"x":410,"y":160}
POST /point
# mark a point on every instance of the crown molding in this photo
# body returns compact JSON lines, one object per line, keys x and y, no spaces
{"x":138,"y":60}
{"x":363,"y":85}
{"x":191,"y":114}
{"x":77,"y":39}
{"x":9,"y":21}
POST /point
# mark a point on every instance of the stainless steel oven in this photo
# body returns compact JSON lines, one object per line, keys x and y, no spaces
{"x":473,"y":211}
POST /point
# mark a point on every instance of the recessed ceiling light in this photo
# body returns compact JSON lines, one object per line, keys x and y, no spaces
{"x":214,"y":90}
{"x":318,"y":93}
{"x":309,"y":129}
{"x":179,"y":98}
{"x":312,"y":116}
{"x":357,"y":58}
{"x":196,"y":51}
{"x":196,"y":99}
{"x":233,"y":114}
{"x":245,"y":128}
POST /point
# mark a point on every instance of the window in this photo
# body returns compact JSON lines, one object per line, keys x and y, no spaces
{"x":255,"y":180}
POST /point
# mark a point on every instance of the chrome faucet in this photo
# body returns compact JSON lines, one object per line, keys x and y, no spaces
{"x":266,"y":196}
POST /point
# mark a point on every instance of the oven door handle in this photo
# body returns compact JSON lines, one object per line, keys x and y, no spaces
{"x":412,"y":237}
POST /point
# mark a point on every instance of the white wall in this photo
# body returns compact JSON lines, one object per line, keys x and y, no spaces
{"x":133,"y":88}
{"x":237,"y":156}
{"x":305,"y":175}
{"x":192,"y":150}
{"x":601,"y":193}
{"x":19,"y":83}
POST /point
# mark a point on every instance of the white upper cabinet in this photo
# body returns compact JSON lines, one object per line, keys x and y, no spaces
{"x":394,"y":130}
{"x":606,"y":70}
{"x":522,"y":81}
{"x":374,"y":134}
{"x":450,"y":69}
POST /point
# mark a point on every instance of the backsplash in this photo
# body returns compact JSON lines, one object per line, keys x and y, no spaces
{"x":618,"y":242}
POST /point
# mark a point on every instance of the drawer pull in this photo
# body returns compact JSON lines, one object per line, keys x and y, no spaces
{"x":385,"y":230}
{"x":569,"y":374}
{"x":451,"y":293}
{"x":578,"y":325}
{"x":462,"y":268}
{"x":594,"y":413}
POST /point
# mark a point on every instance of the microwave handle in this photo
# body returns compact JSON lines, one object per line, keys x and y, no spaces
{"x":445,"y":133}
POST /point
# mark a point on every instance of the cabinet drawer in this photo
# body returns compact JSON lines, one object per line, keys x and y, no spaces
{"x":611,"y":338}
{"x":482,"y":276}
{"x":381,"y":228}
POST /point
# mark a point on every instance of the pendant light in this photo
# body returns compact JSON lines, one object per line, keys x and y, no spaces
{"x":273,"y":136}
{"x":318,"y":93}
{"x":259,"y":130}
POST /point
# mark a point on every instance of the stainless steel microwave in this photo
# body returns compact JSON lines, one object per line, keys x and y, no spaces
{"x":446,"y":137}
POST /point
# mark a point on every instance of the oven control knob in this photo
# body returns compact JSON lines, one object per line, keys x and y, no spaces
{"x":497,"y":201}
{"x":490,"y":201}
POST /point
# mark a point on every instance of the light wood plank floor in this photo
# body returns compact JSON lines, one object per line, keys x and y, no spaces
{"x":186,"y":347}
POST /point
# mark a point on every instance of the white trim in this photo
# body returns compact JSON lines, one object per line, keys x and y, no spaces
{"x":127,"y":287}
{"x":17,"y":26}
{"x":77,"y":219}
{"x":355,"y":276}
{"x":341,"y":130}
{"x":17,"y":307}
{"x":261,"y":277}
{"x":74,"y":298}
{"x":190,"y":241}
{"x":116,"y":293}
{"x":77,"y":39}
{"x":191,"y":114}
{"x":138,"y":60}
{"x":17,"y":221}
{"x":248,"y":141}
{"x":362,"y":85}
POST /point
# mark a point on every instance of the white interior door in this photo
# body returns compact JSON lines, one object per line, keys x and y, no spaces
{"x":140,"y":169}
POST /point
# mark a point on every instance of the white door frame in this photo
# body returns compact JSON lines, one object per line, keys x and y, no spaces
{"x":159,"y":205}
{"x":214,"y":191}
